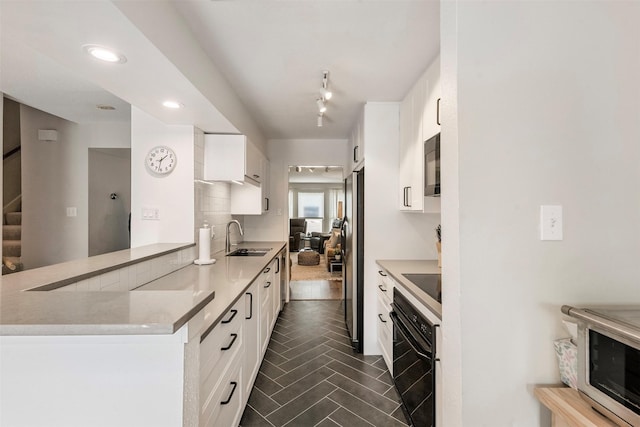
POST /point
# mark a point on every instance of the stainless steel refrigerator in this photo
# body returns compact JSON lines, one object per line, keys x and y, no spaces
{"x":353,"y":257}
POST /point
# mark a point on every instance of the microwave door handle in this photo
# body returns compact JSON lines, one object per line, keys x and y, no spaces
{"x":423,"y":353}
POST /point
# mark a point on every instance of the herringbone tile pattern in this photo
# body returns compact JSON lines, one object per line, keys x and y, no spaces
{"x":310,"y":376}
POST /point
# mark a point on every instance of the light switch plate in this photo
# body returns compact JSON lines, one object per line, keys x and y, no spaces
{"x":72,"y":211}
{"x":550,"y":222}
{"x":150,"y":214}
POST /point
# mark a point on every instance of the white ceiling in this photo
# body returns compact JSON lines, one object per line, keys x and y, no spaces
{"x":270,"y":52}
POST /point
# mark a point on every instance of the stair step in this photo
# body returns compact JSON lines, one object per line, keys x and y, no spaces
{"x":16,"y":261}
{"x":11,"y":232}
{"x":11,"y":248}
{"x":13,"y":218}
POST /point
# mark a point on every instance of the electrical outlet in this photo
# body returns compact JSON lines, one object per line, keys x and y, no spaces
{"x":72,"y":211}
{"x":150,"y":214}
{"x":550,"y":222}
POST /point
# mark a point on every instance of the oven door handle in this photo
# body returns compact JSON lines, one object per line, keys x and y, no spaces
{"x":423,"y":353}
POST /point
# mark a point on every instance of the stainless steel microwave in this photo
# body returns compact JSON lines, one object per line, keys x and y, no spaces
{"x":609,"y":360}
{"x":432,"y":166}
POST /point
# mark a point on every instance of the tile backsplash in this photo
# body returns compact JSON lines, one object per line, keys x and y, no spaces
{"x":212,"y":202}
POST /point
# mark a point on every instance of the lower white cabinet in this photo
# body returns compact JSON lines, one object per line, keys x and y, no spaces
{"x":385,"y":325}
{"x":252,"y":348}
{"x":221,"y":347}
{"x":266,"y":308}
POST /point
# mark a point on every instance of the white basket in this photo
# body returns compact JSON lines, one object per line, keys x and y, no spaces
{"x":567,"y":353}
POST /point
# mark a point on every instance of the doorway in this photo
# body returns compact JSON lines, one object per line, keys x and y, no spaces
{"x":109,"y":199}
{"x":316,"y":199}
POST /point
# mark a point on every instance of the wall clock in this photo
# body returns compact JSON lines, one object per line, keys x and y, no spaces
{"x":161,"y":160}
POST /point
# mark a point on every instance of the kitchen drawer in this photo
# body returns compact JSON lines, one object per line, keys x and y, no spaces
{"x":224,"y":405}
{"x":220,"y":347}
{"x":385,"y":334}
{"x":385,"y":286}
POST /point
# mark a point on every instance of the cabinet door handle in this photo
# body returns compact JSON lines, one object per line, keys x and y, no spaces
{"x":266,"y":270}
{"x":233,"y":390}
{"x":233,"y":339}
{"x":267,"y":200}
{"x":382,"y":289}
{"x":233,"y":314}
{"x":267,"y":285}
{"x":355,"y":154}
{"x":250,"y":305}
{"x":438,"y":112}
{"x":277,"y":265}
{"x":381,"y":319}
{"x":380,"y":272}
{"x":256,"y":176}
{"x":409,"y":196}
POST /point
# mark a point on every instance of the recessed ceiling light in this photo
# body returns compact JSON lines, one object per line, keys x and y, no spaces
{"x":172,"y":104}
{"x":104,"y":54}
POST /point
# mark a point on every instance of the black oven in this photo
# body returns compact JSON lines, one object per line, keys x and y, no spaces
{"x":413,"y":361}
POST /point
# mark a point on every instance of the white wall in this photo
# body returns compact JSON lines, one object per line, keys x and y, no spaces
{"x":547,"y":113}
{"x":54,"y":177}
{"x":173,"y":195}
{"x":389,"y":233}
{"x":274,"y":225}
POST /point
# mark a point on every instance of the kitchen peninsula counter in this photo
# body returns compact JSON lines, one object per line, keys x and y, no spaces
{"x":28,"y":306}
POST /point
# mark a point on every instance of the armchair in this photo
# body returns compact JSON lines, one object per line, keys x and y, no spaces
{"x":297,"y":230}
{"x":332,"y":246}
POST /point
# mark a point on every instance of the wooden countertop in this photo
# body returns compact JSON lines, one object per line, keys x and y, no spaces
{"x":569,"y":409}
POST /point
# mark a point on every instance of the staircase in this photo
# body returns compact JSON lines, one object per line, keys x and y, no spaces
{"x":11,"y":243}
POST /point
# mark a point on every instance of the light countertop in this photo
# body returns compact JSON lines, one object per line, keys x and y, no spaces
{"x":396,"y":268}
{"x":159,"y":307}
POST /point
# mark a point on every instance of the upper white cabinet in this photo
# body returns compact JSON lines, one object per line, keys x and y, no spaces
{"x":234,"y":158}
{"x":356,"y":143}
{"x":419,"y":121}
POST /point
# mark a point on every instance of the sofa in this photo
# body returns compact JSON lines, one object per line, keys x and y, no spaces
{"x":297,"y":230}
{"x":333,"y":245}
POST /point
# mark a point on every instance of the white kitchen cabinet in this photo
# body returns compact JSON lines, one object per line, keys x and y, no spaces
{"x":419,"y":121}
{"x":385,"y":326}
{"x":220,"y":347}
{"x":265,"y":284}
{"x":356,"y":143}
{"x":251,"y":338}
{"x":231,"y":158}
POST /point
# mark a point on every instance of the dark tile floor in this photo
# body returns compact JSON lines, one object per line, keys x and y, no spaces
{"x":311,"y":377}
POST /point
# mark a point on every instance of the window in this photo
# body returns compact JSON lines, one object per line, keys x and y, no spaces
{"x":310,"y":205}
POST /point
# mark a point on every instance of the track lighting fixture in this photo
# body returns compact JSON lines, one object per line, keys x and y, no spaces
{"x":320,"y":120}
{"x":321,"y":107}
{"x":298,"y":169}
{"x":324,"y":90}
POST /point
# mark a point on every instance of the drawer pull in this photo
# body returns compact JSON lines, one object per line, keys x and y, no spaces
{"x":382,"y":289}
{"x":233,"y":390}
{"x":268,"y":269}
{"x":233,"y":314}
{"x":381,"y":319}
{"x":267,"y":285}
{"x":250,"y":305}
{"x":380,"y":272}
{"x":231,"y":343}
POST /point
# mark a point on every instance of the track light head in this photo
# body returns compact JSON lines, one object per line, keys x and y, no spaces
{"x":321,"y":107}
{"x":320,"y":120}
{"x":324,"y":90}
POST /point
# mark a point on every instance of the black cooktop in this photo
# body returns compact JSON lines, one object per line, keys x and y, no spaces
{"x":429,"y":283}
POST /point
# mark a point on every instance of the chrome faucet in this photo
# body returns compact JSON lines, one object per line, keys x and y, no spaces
{"x":227,"y":242}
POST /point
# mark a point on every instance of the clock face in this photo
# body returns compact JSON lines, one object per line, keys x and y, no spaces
{"x":161,"y":160}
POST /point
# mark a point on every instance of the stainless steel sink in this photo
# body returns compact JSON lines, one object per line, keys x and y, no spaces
{"x":249,"y":252}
